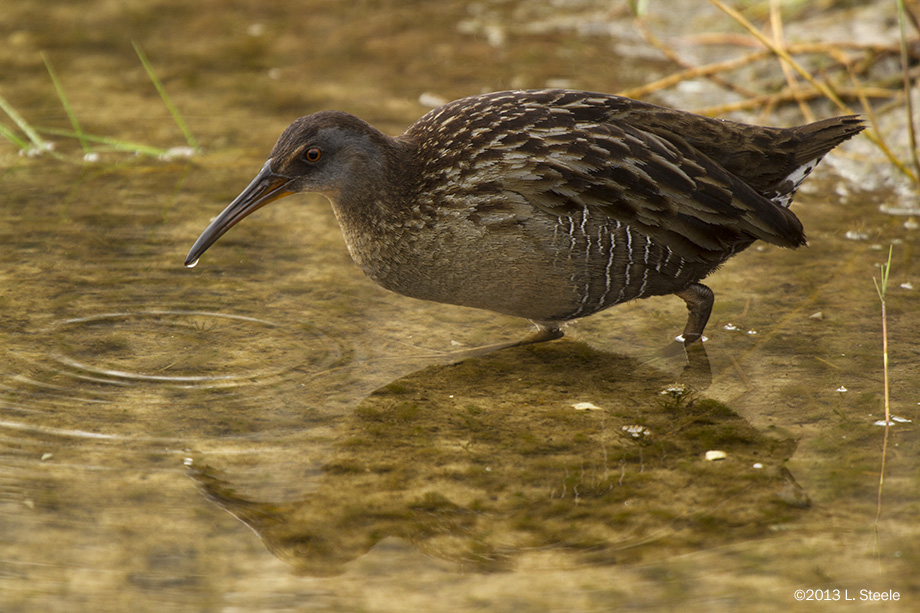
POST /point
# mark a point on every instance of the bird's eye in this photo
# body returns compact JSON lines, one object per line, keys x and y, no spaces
{"x":312,"y":155}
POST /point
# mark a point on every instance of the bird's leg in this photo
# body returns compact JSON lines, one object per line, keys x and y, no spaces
{"x":546,"y":331}
{"x":699,"y":300}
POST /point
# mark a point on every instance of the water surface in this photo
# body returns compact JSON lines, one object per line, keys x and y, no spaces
{"x":270,"y":430}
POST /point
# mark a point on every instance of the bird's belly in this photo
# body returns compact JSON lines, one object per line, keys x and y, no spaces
{"x":549,"y":269}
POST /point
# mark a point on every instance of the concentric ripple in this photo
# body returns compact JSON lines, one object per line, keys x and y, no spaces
{"x":163,"y":375}
{"x":184,"y":348}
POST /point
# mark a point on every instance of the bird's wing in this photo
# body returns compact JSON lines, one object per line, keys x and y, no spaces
{"x":662,"y":187}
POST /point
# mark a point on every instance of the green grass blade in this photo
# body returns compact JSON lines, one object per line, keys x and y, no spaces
{"x":13,"y":137}
{"x":78,"y":130}
{"x":118,"y":145}
{"x":189,"y":137}
{"x":882,"y":288}
{"x":24,"y":125}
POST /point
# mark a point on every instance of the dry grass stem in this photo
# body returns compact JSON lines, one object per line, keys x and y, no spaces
{"x":711,"y":72}
{"x":847,"y":63}
{"x":776,"y":24}
{"x":908,"y":99}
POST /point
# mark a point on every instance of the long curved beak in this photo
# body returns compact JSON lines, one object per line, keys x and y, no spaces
{"x":266,"y":187}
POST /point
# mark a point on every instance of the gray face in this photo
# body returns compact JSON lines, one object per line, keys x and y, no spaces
{"x":324,"y":153}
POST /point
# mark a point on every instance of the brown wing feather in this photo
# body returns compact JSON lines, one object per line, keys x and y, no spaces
{"x":665,"y":189}
{"x":763,"y":157}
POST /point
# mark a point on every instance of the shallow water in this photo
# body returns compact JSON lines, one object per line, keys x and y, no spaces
{"x":270,"y":430}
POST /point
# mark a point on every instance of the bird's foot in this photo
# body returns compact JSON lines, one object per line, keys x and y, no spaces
{"x":544,"y":332}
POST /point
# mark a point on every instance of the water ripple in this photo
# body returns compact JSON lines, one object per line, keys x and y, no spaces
{"x":183,"y":348}
{"x":167,"y":375}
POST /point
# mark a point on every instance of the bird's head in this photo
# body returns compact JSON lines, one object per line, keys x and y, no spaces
{"x":326,"y":152}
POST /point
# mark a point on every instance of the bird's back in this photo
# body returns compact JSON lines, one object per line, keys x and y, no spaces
{"x":701,"y":186}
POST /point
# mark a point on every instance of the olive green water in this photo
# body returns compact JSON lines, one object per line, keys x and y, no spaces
{"x":271,"y":431}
